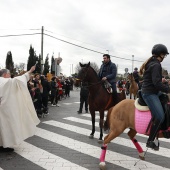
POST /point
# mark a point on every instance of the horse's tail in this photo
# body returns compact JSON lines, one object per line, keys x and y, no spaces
{"x":107,"y":123}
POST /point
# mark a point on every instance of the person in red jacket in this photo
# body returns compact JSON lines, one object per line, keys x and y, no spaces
{"x":60,"y":90}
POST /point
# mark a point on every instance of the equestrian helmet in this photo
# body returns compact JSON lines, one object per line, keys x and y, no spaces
{"x":135,"y":68}
{"x":159,"y":49}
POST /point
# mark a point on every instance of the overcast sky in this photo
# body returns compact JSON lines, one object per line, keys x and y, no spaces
{"x":121,"y":28}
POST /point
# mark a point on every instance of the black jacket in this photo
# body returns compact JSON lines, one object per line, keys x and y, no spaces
{"x":84,"y":91}
{"x":46,"y":87}
{"x":152,"y":78}
{"x":136,"y":76}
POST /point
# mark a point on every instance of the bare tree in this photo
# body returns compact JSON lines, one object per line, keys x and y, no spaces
{"x":92,"y":64}
{"x":164,"y":72}
{"x":20,"y":67}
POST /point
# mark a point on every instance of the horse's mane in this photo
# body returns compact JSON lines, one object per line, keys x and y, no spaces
{"x":85,"y":65}
{"x":93,"y":70}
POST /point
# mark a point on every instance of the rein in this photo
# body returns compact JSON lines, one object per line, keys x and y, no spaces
{"x":93,"y":84}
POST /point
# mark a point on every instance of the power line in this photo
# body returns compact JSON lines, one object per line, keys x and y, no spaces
{"x":89,"y":44}
{"x":16,"y":35}
{"x":77,"y":40}
{"x":20,"y":29}
{"x":88,"y":48}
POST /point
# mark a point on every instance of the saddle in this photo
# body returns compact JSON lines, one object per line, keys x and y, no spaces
{"x":142,"y":106}
{"x":108,"y":86}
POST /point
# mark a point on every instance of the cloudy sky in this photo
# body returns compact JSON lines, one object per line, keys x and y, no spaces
{"x":121,"y":28}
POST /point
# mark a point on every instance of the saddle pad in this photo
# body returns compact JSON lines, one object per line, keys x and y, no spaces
{"x":139,"y":107}
{"x":142,"y":120}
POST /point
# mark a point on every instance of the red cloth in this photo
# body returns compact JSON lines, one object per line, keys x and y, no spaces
{"x":60,"y":90}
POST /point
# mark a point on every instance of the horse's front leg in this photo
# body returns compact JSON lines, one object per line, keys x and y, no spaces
{"x":130,"y":95}
{"x":92,"y":112}
{"x":132,"y":134}
{"x":101,"y":126}
{"x":102,"y":157}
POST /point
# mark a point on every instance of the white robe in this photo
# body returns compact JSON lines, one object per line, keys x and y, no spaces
{"x":18,"y":118}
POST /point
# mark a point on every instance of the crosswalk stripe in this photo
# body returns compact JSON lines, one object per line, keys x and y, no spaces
{"x":118,"y":140}
{"x":92,"y":150}
{"x":78,"y":120}
{"x":45,"y":159}
{"x":67,"y":103}
{"x":126,"y":130}
{"x":88,"y":115}
{"x":88,"y":122}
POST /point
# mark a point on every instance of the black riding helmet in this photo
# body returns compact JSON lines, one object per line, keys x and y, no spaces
{"x":159,"y":49}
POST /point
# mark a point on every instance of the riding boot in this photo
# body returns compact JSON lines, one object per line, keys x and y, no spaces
{"x":115,"y":97}
{"x":153,"y":132}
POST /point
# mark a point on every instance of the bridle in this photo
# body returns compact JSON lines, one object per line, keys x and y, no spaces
{"x":91,"y":84}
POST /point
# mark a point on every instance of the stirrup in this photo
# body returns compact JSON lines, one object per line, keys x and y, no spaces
{"x":152,"y":145}
{"x":109,"y":90}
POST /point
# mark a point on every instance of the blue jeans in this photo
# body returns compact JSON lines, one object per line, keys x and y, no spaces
{"x":114,"y":88}
{"x":155,"y":106}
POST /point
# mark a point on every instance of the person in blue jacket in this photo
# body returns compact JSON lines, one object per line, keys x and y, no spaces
{"x":108,"y":72}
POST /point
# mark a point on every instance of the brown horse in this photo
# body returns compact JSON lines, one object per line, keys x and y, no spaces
{"x":99,"y":99}
{"x":133,"y":89}
{"x":123,"y":116}
{"x":77,"y":83}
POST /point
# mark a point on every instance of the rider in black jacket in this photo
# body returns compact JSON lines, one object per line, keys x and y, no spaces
{"x":151,"y":87}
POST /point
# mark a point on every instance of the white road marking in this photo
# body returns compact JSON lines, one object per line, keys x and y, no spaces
{"x":122,"y":141}
{"x":128,"y":162}
{"x":45,"y":159}
{"x":67,"y":103}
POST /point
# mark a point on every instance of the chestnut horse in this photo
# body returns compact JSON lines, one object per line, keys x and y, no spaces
{"x":123,"y":116}
{"x":133,"y":89}
{"x":99,"y":99}
{"x":77,"y":83}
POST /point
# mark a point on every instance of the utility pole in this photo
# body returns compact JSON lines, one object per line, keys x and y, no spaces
{"x":132,"y":62}
{"x":42,"y":43}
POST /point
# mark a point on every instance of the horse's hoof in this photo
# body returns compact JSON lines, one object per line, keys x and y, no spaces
{"x":102,"y":165}
{"x":142,"y":156}
{"x":91,"y":136}
{"x":100,"y":141}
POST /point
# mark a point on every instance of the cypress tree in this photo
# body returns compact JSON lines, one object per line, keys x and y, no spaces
{"x":9,"y":62}
{"x":38,"y":65}
{"x":52,"y":64}
{"x":46,"y":66}
{"x":31,"y":58}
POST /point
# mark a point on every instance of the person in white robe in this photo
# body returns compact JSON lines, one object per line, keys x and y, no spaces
{"x":18,"y":118}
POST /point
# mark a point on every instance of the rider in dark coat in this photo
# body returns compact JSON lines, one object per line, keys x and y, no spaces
{"x":136,"y":76}
{"x":151,"y":87}
{"x":108,"y":71}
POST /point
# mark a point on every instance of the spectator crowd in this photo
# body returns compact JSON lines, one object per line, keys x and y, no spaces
{"x":44,"y":91}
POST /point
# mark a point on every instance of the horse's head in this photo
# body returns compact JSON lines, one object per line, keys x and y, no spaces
{"x":130,"y":77}
{"x":83,"y":72}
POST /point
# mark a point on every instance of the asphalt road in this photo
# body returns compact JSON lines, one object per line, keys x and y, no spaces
{"x":62,"y":143}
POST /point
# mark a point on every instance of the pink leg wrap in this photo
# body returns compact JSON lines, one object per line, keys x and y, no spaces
{"x":103,"y":153}
{"x":137,"y":145}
